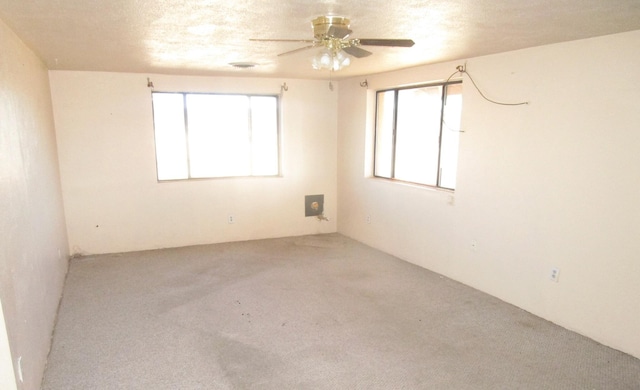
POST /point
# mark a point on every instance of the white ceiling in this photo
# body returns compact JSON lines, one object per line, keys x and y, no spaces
{"x":203,"y":36}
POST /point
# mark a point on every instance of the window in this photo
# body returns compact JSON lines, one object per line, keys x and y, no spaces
{"x":212,"y":135}
{"x":417,"y":134}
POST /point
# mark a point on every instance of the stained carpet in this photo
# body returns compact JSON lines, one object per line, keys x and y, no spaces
{"x":311,"y":312}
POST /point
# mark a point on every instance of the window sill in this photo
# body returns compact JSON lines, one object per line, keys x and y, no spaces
{"x":426,"y":187}
{"x":197,"y":179}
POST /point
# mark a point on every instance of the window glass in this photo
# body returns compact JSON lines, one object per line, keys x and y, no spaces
{"x":218,"y":135}
{"x":170,"y":136}
{"x":384,"y":134}
{"x":215,"y":135}
{"x":264,"y":142}
{"x":417,"y":134}
{"x":450,"y":136}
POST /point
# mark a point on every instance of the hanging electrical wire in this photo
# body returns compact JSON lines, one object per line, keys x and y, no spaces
{"x":451,"y":128}
{"x":463,"y":69}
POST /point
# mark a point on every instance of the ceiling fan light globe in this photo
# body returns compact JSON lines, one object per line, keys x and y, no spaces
{"x":325,"y":59}
{"x":315,"y":63}
{"x":343,"y":59}
{"x":340,"y":60}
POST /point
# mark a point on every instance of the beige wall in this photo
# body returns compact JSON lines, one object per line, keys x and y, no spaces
{"x":32,"y":226}
{"x":113,"y":201}
{"x":555,"y":183}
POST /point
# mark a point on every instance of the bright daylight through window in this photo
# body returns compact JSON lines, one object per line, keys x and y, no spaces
{"x":212,"y":135}
{"x":417,"y":134}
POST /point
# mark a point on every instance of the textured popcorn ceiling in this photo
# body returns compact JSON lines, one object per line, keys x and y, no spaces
{"x":204,"y":36}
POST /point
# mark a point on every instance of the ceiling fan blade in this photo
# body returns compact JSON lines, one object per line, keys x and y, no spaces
{"x":356,"y":51}
{"x":386,"y":42}
{"x":282,"y":40}
{"x":338,"y":32}
{"x":316,"y":44}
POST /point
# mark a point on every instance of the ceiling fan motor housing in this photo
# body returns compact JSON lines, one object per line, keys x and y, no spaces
{"x":321,"y":25}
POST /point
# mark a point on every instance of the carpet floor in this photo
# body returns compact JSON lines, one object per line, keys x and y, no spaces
{"x":311,"y":312}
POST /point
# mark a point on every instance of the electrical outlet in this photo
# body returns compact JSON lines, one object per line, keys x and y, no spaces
{"x":368,"y":219}
{"x":554,"y":275}
{"x":231,"y":219}
{"x":474,"y":245}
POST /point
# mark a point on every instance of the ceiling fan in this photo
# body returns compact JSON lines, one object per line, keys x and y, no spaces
{"x":331,"y":33}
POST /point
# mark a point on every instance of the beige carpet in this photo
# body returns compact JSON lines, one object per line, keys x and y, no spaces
{"x":312,"y":312}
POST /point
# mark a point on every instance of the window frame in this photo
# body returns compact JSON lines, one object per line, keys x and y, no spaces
{"x":189,"y":177}
{"x":396,"y":90}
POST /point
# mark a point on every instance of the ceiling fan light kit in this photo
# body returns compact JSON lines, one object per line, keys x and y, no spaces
{"x":329,"y":60}
{"x":331,"y":33}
